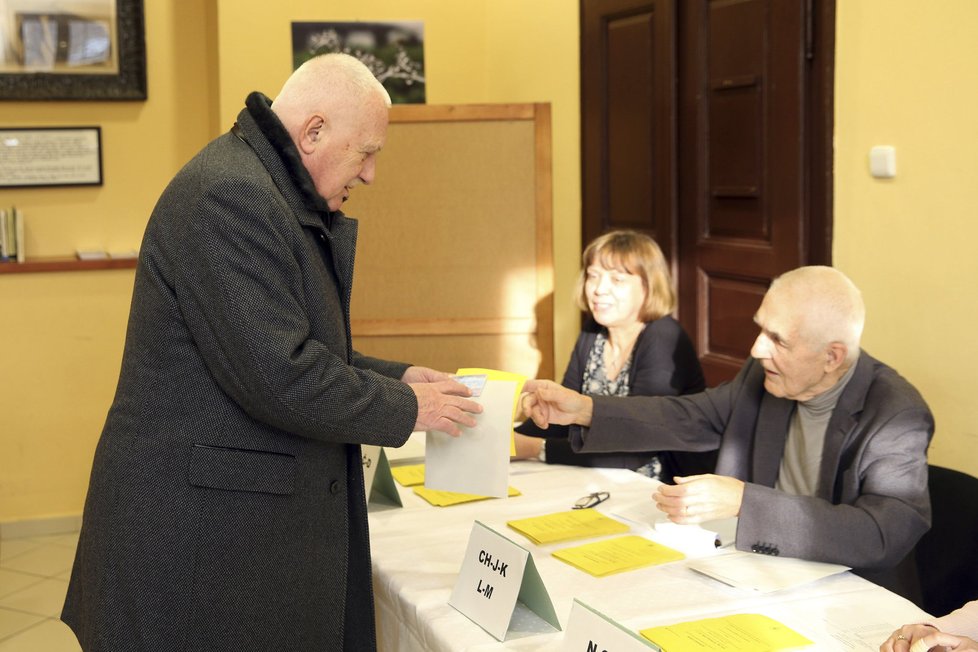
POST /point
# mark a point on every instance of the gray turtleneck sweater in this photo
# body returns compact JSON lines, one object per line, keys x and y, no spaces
{"x":802,"y":457}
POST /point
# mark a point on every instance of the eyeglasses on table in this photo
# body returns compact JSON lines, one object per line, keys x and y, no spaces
{"x":591,"y":500}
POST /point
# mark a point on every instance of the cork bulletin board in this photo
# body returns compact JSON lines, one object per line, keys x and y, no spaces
{"x":454,"y":257}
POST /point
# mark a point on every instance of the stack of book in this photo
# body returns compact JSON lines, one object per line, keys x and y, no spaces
{"x":12,"y":235}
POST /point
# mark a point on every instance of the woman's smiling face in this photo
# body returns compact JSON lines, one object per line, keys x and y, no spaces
{"x":614,"y":295}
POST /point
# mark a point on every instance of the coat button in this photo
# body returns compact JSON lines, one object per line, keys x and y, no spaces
{"x":334,"y":488}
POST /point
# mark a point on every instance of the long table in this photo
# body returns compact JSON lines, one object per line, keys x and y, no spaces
{"x":418,"y":550}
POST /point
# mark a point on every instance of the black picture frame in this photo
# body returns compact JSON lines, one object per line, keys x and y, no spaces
{"x":50,"y":156}
{"x":128,"y":83}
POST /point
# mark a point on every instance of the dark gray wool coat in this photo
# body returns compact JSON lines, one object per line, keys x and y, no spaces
{"x":226,"y":508}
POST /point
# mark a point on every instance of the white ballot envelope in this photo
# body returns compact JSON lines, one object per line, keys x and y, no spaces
{"x":477,"y":461}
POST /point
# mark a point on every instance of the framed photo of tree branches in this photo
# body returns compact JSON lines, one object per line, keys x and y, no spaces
{"x":394,"y":52}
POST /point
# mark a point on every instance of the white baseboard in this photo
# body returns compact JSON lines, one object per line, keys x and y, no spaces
{"x":38,"y":527}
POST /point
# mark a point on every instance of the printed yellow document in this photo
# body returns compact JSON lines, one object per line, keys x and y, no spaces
{"x":409,"y":475}
{"x":566,"y":526}
{"x":617,"y":555}
{"x":447,"y":498}
{"x":736,"y":633}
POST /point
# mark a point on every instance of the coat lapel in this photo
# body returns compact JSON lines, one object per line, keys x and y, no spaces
{"x":841,"y":424}
{"x":773,"y":422}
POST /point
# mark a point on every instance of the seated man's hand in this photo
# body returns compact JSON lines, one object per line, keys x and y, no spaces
{"x":441,"y":406}
{"x":546,"y":402}
{"x":699,"y":498}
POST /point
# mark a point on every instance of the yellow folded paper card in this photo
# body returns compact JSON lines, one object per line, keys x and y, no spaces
{"x":448,"y":498}
{"x":617,"y":555}
{"x":736,"y":633}
{"x":408,"y":475}
{"x":566,"y":526}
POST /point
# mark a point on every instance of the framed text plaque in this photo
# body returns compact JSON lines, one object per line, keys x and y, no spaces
{"x":50,"y":156}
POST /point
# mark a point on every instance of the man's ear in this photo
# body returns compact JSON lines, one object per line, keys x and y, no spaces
{"x":835,"y":356}
{"x":313,"y":130}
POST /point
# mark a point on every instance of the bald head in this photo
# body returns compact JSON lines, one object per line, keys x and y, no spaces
{"x":327,"y":82}
{"x":828,"y":305}
{"x":336,"y":113}
{"x":810,"y":323}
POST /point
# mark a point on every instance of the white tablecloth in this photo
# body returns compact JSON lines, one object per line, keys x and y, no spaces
{"x":418,"y":549}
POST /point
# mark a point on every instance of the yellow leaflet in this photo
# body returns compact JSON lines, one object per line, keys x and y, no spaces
{"x":409,"y":475}
{"x":737,"y":633}
{"x":565,"y":526}
{"x":448,"y":498}
{"x":617,"y":555}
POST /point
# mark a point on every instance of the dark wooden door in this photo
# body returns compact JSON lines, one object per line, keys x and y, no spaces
{"x":751,"y":175}
{"x":628,"y":113}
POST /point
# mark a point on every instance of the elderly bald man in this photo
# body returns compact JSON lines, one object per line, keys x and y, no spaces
{"x":822,"y":448}
{"x":226,"y":509}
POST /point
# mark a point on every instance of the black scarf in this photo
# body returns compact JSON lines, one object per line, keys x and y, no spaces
{"x":260,"y":109}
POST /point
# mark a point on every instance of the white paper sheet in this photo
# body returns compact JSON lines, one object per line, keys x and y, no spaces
{"x":763,"y":573}
{"x":691,"y":540}
{"x":476,"y":462}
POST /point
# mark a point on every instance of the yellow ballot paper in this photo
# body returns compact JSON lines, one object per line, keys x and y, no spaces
{"x":566,"y":526}
{"x":736,"y":633}
{"x":617,"y":555}
{"x":408,"y":475}
{"x":493,"y":374}
{"x":448,"y":498}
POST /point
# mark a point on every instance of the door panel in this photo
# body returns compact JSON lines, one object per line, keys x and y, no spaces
{"x":628,"y":118}
{"x":708,"y":125}
{"x":629,"y":181}
{"x":742,"y":161}
{"x":730,"y":304}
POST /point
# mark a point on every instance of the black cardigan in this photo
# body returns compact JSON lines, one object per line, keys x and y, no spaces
{"x":664,"y":363}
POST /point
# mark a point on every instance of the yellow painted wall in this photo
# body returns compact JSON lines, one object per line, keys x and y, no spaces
{"x":495,"y":51}
{"x":907,"y":76}
{"x":199,"y":74}
{"x":62,"y":333}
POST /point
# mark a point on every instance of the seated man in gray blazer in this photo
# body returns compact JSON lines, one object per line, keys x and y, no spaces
{"x":822,"y":448}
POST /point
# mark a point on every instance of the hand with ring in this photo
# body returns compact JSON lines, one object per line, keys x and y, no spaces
{"x":698,"y":498}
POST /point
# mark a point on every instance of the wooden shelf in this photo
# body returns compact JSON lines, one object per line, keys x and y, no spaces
{"x":65,"y":264}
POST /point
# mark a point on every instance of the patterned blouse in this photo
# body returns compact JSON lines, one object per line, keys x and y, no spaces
{"x":595,"y":381}
{"x":597,"y":384}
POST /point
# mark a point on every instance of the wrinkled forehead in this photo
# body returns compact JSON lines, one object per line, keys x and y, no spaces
{"x":780,"y":313}
{"x":366,"y":114}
